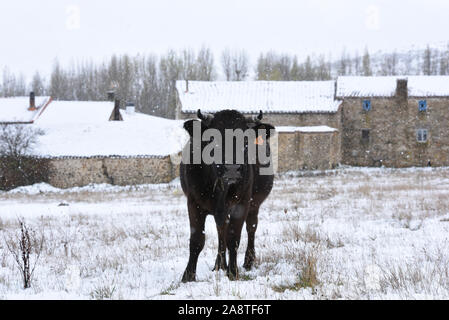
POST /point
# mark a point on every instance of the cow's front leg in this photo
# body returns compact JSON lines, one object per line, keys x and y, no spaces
{"x":197,"y":238}
{"x":237,"y":218}
{"x":220,"y":262}
{"x":251,"y":227}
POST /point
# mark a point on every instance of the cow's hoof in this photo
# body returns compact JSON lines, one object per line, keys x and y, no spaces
{"x":220,"y":267}
{"x":188,"y":277}
{"x":248,"y":266}
{"x":249,"y":260}
{"x":220,"y":264}
{"x":233,"y":276}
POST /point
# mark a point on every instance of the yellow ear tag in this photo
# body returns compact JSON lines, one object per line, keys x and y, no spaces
{"x":258,"y":141}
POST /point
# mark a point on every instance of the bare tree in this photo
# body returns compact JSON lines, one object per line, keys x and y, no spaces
{"x":263,"y":68}
{"x":344,"y":64}
{"x":9,"y":83}
{"x":148,"y":91}
{"x":240,"y":65}
{"x":444,"y":62}
{"x":366,"y":64}
{"x":389,"y":65}
{"x":297,"y":71}
{"x":226,"y":64}
{"x":357,"y":64}
{"x":309,"y":70}
{"x":38,"y":84}
{"x":205,"y":65}
{"x":235,"y":64}
{"x":284,"y":66}
{"x":59,"y":82}
{"x":23,"y":246}
{"x":188,"y":63}
{"x":429,"y":65}
{"x":17,"y":140}
{"x":171,"y":69}
{"x":272,"y":66}
{"x":323,"y":69}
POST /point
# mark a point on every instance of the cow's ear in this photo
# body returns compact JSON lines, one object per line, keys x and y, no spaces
{"x":188,"y":126}
{"x":264,"y":126}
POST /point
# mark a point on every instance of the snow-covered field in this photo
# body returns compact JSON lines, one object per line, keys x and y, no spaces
{"x":351,"y":233}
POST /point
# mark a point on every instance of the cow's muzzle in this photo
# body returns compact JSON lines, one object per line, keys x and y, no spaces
{"x":232,"y":173}
{"x":227,"y":174}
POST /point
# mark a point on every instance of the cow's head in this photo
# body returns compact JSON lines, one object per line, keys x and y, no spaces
{"x":248,"y":134}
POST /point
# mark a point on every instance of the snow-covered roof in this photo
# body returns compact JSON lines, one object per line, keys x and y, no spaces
{"x":137,"y":135}
{"x":418,"y":86}
{"x":16,"y":109}
{"x":308,"y":129}
{"x":252,"y":96}
{"x":76,"y":112}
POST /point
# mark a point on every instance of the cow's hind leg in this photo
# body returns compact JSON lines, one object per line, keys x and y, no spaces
{"x":197,"y":220}
{"x":251,"y":227}
{"x":237,"y":218}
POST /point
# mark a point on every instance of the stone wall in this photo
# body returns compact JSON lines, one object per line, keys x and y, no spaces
{"x":288,"y":151}
{"x":319,"y":151}
{"x":75,"y":172}
{"x":291,"y":119}
{"x":392,"y":125}
{"x":308,"y":150}
{"x":297,"y":151}
{"x":303,"y":119}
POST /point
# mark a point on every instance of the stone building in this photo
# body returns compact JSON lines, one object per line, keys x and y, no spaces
{"x":394,"y":121}
{"x":305,"y":113}
{"x":308,"y":148}
{"x":372,"y":121}
{"x":82,"y":144}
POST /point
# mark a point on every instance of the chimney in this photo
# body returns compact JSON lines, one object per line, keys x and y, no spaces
{"x":116,"y":114}
{"x":130,"y":108}
{"x":111,"y":95}
{"x":402,"y":89}
{"x":32,"y":106}
{"x":187,"y":86}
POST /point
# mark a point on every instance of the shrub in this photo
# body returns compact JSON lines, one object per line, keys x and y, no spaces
{"x":17,"y":166}
{"x":22,"y":171}
{"x":23,"y":246}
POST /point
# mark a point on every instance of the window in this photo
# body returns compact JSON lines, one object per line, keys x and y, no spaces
{"x":421,"y":135}
{"x":365,"y":135}
{"x":366,"y":105}
{"x":422,"y":105}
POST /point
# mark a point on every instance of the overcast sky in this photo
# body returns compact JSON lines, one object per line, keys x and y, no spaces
{"x":34,"y":33}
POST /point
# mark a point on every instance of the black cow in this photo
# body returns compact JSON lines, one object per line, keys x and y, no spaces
{"x":232,"y":193}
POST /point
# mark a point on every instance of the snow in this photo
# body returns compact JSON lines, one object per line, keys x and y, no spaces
{"x":428,"y":86}
{"x":16,"y":109}
{"x":418,"y":86}
{"x":309,"y":129}
{"x":45,"y":188}
{"x":35,"y":189}
{"x":76,"y":112}
{"x":252,"y":96}
{"x":83,"y":129}
{"x":374,"y":233}
{"x":366,"y":86}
